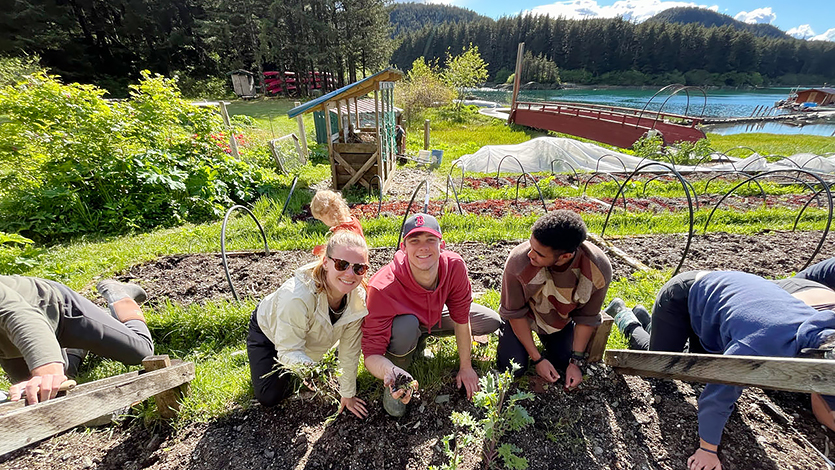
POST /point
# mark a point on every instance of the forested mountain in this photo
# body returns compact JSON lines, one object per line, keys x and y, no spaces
{"x":596,"y":47}
{"x":710,"y":18}
{"x":413,"y":16}
{"x":107,"y":41}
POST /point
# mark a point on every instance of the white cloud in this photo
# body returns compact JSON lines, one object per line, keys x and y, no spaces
{"x":442,"y":2}
{"x":803,"y":31}
{"x":829,"y":35}
{"x":637,"y":10}
{"x":760,"y":15}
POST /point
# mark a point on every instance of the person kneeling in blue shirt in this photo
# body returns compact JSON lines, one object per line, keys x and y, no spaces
{"x":735,"y":313}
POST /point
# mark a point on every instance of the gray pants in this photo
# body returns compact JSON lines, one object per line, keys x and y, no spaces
{"x":86,"y":327}
{"x":407,"y":332}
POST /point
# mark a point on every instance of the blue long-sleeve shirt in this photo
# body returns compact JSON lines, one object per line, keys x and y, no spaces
{"x":736,"y":313}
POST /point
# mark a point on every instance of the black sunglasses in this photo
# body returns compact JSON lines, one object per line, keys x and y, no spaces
{"x":341,"y":265}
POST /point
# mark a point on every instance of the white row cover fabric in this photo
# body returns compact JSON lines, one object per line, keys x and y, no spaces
{"x":537,"y":154}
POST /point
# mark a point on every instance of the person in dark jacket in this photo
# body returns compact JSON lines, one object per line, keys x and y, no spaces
{"x":733,"y":313}
{"x":46,"y":329}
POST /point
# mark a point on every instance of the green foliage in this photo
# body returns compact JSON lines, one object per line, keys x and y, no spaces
{"x":682,"y":153}
{"x":502,"y":414}
{"x":539,"y":69}
{"x":466,"y":70}
{"x":422,"y":88}
{"x":210,"y":88}
{"x":17,"y":253}
{"x":72,"y":163}
{"x":503,"y":76}
{"x":321,"y":377}
{"x":15,"y":69}
{"x":618,"y":51}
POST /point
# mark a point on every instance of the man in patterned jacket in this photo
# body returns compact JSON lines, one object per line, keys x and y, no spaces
{"x":553,"y":284}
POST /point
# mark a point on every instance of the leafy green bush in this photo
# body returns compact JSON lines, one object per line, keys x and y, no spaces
{"x":72,"y":162}
{"x":502,"y":414}
{"x":207,"y":88}
{"x":15,"y":69}
{"x":17,"y":253}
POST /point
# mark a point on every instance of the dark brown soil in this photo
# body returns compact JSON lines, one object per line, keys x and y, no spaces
{"x":197,"y":278}
{"x":611,"y":422}
{"x":773,"y":254}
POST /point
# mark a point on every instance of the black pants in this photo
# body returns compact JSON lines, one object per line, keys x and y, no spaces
{"x":84,"y":326}
{"x":270,"y":389}
{"x":671,"y":327}
{"x":557,"y":348}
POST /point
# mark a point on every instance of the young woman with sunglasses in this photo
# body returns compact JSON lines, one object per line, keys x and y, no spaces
{"x":322,"y":304}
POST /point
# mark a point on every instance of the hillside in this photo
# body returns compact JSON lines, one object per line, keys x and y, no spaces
{"x":710,"y":18}
{"x":407,"y":17}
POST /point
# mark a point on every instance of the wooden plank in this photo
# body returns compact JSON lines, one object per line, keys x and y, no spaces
{"x":34,"y":423}
{"x":361,"y":172}
{"x":85,"y":387}
{"x":348,"y":168}
{"x":355,"y":148}
{"x":168,"y":402}
{"x":330,"y":144}
{"x":426,"y":134}
{"x":605,"y":245}
{"x":377,"y":124}
{"x":302,"y":133}
{"x":597,"y":343}
{"x":778,"y":373}
{"x":6,"y":407}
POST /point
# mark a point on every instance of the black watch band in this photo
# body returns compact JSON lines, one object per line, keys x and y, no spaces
{"x":579,"y":362}
{"x":541,"y":358}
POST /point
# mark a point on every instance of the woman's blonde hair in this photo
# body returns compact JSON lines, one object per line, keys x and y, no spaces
{"x":329,"y":207}
{"x":342,"y":238}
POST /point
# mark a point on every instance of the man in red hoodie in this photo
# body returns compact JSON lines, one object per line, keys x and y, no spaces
{"x":406,"y":302}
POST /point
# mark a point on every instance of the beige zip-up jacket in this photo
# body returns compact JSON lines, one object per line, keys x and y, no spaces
{"x":295,"y":318}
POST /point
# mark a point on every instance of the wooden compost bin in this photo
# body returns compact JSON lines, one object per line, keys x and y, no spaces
{"x":356,"y":163}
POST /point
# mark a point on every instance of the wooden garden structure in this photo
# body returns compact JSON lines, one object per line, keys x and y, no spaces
{"x":162,"y":378}
{"x":359,"y":155}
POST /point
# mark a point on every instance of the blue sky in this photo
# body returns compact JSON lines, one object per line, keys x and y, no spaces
{"x":810,"y":19}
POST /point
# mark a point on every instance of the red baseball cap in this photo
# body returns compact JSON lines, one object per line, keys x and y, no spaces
{"x":421,"y":223}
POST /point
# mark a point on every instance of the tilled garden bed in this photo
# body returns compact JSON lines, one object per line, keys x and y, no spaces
{"x":611,"y":422}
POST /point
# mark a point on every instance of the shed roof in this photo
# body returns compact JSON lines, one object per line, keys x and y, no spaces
{"x":364,"y":106}
{"x":829,"y":90}
{"x":356,"y":89}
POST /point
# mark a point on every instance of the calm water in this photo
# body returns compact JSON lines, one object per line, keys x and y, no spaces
{"x":718,"y":103}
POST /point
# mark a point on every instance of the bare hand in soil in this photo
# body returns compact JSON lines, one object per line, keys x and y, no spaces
{"x":702,"y":460}
{"x":546,"y":370}
{"x":469,"y":379}
{"x":401,"y":384}
{"x":354,"y":405}
{"x":573,"y":377}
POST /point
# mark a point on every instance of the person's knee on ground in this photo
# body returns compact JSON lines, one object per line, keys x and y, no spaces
{"x":625,"y":318}
{"x":405,"y":334}
{"x":510,"y":349}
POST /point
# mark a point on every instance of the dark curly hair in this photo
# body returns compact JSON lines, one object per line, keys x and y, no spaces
{"x":560,"y":230}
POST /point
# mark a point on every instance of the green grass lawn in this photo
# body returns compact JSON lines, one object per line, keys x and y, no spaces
{"x":214,"y":334}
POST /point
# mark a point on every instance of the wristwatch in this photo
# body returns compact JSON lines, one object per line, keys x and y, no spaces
{"x":578,"y":359}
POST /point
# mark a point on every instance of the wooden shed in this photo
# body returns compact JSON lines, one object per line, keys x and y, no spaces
{"x":364,"y":155}
{"x":822,"y":96}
